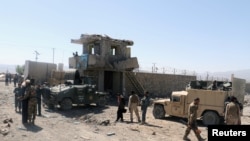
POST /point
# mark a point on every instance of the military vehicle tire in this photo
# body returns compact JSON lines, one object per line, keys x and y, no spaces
{"x":101,"y":102}
{"x":66,"y":104}
{"x":210,"y":118}
{"x":158,"y":111}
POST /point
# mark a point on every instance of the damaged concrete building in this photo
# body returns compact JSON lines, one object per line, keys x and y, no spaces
{"x":109,"y":61}
{"x":106,"y":59}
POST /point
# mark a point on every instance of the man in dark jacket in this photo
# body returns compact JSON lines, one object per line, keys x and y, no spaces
{"x":39,"y":99}
{"x":25,"y":85}
{"x":121,"y":107}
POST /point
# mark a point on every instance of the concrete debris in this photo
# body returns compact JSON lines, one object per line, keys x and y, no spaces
{"x":76,"y":122}
{"x":133,"y":129}
{"x":110,"y":134}
{"x":105,"y":122}
{"x":4,"y":131}
{"x":153,"y":133}
{"x":8,"y":120}
{"x":5,"y":128}
{"x":85,"y":138}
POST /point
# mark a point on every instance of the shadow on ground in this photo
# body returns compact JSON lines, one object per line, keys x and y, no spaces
{"x":182,"y":120}
{"x":32,"y":128}
{"x":78,"y":111}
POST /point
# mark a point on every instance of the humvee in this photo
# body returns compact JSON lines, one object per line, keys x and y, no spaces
{"x":65,"y":95}
{"x":212,"y":102}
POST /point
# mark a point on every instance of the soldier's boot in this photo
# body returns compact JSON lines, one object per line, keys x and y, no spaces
{"x":185,"y":137}
{"x":199,"y":137}
{"x":33,"y":122}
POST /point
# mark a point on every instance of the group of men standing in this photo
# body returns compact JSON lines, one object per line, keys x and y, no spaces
{"x":28,"y":100}
{"x":133,"y":103}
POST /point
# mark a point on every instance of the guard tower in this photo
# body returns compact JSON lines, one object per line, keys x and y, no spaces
{"x":104,"y":58}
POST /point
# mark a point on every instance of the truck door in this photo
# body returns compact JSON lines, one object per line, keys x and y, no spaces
{"x":176,"y":106}
{"x":79,"y":95}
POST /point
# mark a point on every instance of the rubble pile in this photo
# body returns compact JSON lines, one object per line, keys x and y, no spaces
{"x":5,"y":127}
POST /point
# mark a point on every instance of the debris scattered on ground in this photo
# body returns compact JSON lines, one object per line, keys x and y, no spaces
{"x":105,"y":122}
{"x":5,"y":128}
{"x":134,"y":129}
{"x":110,"y":134}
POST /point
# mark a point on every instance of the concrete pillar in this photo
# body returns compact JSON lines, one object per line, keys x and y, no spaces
{"x":123,"y":83}
{"x":101,"y":80}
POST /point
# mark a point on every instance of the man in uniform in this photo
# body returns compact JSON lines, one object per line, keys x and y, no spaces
{"x":192,"y":123}
{"x":232,"y":113}
{"x":132,"y":105}
{"x":145,"y":102}
{"x":32,"y":103}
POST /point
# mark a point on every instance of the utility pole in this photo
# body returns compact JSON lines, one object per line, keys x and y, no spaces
{"x":53,"y":54}
{"x":36,"y":54}
{"x":153,"y":68}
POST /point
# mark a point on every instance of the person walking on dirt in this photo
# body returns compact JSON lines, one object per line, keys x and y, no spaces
{"x":18,"y":93}
{"x":39,"y":99}
{"x":192,"y":123}
{"x":121,"y":107}
{"x":232,"y":113}
{"x":132,"y":105}
{"x":145,"y":102}
{"x":25,"y":85}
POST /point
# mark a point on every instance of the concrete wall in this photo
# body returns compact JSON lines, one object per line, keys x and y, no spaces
{"x":39,"y":71}
{"x":160,"y":85}
{"x":248,"y":88}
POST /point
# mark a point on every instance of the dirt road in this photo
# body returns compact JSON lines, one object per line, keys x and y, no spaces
{"x":89,"y":124}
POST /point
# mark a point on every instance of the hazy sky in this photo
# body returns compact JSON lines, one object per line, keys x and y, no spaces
{"x":192,"y":35}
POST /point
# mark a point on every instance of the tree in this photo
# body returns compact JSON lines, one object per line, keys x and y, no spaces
{"x":20,"y":69}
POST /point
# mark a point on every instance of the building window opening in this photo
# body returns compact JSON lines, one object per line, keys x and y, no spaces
{"x":91,"y":49}
{"x":113,"y":50}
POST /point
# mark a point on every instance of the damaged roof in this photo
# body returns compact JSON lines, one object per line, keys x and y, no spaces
{"x":86,"y":38}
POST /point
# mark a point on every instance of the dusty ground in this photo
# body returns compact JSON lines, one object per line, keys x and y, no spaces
{"x":83,"y":124}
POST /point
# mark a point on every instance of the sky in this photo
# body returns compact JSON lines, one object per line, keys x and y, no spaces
{"x":190,"y":35}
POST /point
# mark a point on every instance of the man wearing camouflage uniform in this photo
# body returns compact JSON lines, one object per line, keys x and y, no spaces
{"x":32,"y":109}
{"x":192,"y":117}
{"x":132,"y":105}
{"x":232,"y":113}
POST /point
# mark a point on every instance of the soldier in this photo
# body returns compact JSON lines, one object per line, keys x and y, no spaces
{"x":132,"y":105}
{"x":192,"y":117}
{"x":232,"y":114}
{"x":18,"y":94}
{"x":39,"y":91}
{"x":145,"y":102}
{"x":32,"y":109}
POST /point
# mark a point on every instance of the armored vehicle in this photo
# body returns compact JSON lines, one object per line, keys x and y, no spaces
{"x":66,"y":95}
{"x":212,"y":102}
